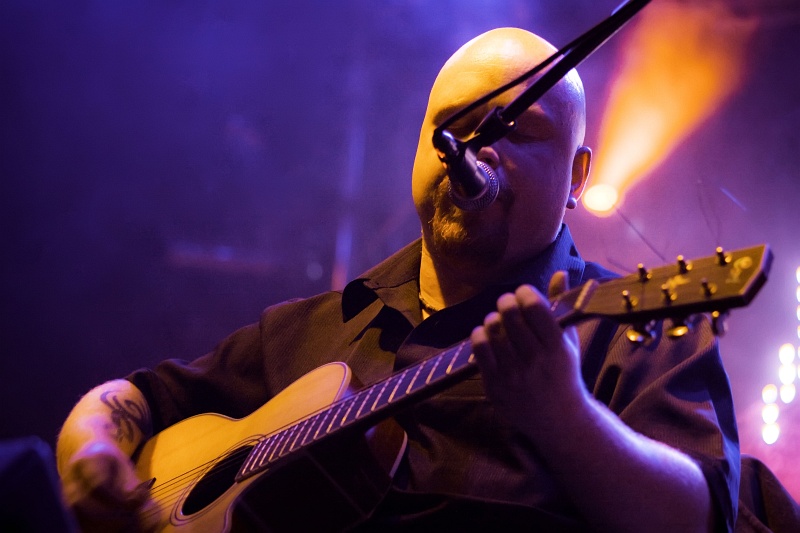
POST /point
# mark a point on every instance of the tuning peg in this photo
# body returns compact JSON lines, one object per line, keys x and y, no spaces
{"x":722,"y":258}
{"x":629,"y":301}
{"x":719,"y":323}
{"x":683,"y":265}
{"x":708,"y":288}
{"x":640,"y":333}
{"x":679,"y":328}
{"x":644,"y":274}
{"x":669,"y":296}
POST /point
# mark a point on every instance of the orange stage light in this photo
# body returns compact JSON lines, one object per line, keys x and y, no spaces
{"x":677,"y":65}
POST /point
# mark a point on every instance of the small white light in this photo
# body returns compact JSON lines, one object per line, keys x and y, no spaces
{"x":769,"y":413}
{"x":788,"y":393}
{"x":769,"y":393}
{"x":787,"y":373}
{"x":798,"y":274}
{"x":798,"y":312}
{"x":798,"y":294}
{"x":786,"y":353}
{"x":770,"y":433}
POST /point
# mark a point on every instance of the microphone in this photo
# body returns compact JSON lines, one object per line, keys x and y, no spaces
{"x":473,"y":183}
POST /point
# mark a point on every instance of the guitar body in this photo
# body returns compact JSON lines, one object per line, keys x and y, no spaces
{"x":194,"y":464}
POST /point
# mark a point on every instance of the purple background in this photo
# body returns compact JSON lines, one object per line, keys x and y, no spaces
{"x":169,"y":168}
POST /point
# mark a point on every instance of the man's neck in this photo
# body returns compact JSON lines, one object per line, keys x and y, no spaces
{"x":446,"y":282}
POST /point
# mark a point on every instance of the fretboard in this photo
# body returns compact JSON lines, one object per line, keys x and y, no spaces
{"x":363,"y":408}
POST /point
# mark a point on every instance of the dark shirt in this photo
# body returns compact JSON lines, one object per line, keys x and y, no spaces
{"x":464,"y":466}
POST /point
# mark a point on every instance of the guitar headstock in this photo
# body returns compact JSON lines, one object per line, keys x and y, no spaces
{"x":712,"y":284}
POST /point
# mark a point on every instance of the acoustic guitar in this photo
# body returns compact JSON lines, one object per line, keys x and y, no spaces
{"x":324,"y":440}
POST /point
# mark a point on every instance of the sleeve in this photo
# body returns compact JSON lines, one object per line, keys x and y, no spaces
{"x":228,"y":381}
{"x":249,"y":367}
{"x":676,"y":391}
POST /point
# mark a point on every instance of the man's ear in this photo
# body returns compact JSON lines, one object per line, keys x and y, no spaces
{"x":581,"y":163}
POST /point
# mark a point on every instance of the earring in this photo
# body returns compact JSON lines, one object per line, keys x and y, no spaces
{"x":572,"y":202}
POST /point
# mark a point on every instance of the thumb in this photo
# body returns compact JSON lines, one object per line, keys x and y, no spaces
{"x":558,"y":283}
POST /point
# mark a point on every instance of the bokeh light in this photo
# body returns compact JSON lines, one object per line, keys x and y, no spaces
{"x":787,"y":374}
{"x":770,"y":433}
{"x":786,"y":353}
{"x":769,"y":394}
{"x":769,"y":413}
{"x":788,"y":393}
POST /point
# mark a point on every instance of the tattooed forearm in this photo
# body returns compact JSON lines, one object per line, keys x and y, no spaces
{"x":124,"y":415}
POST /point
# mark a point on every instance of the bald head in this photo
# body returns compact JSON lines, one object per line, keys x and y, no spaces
{"x":493,"y":59}
{"x":541,"y":165}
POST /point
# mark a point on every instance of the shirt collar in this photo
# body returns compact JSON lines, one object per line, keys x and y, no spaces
{"x":396,"y":280}
{"x":560,"y":255}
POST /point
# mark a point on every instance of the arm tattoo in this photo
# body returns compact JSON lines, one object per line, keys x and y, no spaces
{"x":124,"y":415}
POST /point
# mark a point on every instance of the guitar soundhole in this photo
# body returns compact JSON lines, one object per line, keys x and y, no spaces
{"x":216,"y":481}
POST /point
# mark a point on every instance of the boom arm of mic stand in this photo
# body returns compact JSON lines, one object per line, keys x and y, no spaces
{"x":500,"y":121}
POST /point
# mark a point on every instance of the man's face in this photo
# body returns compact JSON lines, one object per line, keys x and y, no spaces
{"x":534,"y":163}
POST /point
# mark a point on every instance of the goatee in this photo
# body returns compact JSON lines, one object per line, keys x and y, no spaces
{"x":469,"y":237}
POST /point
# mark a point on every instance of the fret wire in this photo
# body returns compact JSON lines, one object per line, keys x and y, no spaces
{"x":397,"y":385}
{"x":455,"y":356}
{"x":279,"y":441}
{"x":436,"y":360}
{"x":299,"y":427}
{"x":276,"y":441}
{"x":263,"y":456}
{"x":334,"y":414}
{"x":414,"y":379}
{"x":269,"y":442}
{"x":405,"y":382}
{"x":287,"y":437}
{"x":312,"y":420}
{"x":441,"y":370}
{"x":351,"y":403}
{"x":366,"y":394}
{"x":327,"y":413}
{"x":378,"y":397}
{"x":251,"y":457}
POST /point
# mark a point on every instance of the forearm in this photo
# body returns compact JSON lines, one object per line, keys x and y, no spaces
{"x":115,"y":412}
{"x":619,"y":479}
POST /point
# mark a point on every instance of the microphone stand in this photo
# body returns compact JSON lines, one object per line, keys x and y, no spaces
{"x":502,"y":120}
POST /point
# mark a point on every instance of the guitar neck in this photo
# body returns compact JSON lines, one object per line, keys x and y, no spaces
{"x":366,"y":407}
{"x":712,"y":284}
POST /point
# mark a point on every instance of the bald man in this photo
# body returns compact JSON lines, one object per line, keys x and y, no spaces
{"x":563,"y":430}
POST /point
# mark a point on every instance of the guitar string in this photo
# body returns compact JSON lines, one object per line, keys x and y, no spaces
{"x":170,"y":491}
{"x":235,"y":455}
{"x":641,"y":236}
{"x":279,"y":435}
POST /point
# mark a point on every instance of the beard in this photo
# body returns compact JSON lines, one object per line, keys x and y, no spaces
{"x":476,"y":238}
